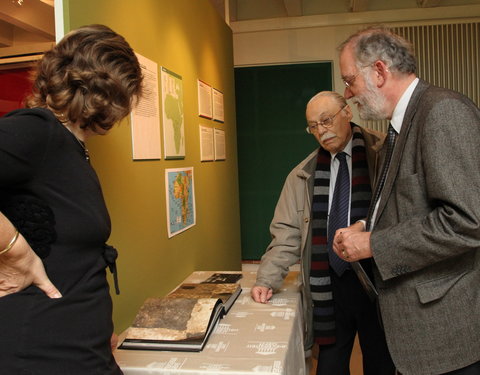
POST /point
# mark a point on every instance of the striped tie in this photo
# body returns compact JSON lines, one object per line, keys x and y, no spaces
{"x":338,"y":216}
{"x":391,"y":137}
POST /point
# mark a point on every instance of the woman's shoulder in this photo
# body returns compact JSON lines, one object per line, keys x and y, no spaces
{"x":42,"y":114}
{"x":34,"y":121}
{"x":30,"y":131}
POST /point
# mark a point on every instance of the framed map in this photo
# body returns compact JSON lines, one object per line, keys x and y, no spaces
{"x":173,"y":119}
{"x":180,"y":193}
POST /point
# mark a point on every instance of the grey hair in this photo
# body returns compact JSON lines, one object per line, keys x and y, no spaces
{"x":331,"y":94}
{"x":380,"y":43}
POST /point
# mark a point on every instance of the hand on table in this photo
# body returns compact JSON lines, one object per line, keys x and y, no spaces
{"x":261,"y":294}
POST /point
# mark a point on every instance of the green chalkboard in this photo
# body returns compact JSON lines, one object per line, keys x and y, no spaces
{"x":270,"y":106}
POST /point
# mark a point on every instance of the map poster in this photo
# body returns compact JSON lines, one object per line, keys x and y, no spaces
{"x":173,"y":119}
{"x":180,"y":200}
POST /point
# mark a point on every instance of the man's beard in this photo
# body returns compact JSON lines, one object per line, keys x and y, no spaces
{"x":370,"y":104}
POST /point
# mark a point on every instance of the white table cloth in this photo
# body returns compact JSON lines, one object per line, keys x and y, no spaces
{"x":252,"y":338}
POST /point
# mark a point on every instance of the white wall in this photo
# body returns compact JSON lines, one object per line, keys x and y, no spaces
{"x":315,"y":38}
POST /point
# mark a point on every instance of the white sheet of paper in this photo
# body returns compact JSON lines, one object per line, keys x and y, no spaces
{"x":145,"y":118}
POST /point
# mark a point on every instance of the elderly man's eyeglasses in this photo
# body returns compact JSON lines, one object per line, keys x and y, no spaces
{"x":326,"y":123}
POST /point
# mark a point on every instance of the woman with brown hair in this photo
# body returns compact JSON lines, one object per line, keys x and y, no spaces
{"x":54,"y":297}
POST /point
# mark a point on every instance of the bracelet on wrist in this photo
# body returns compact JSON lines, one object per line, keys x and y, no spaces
{"x":12,"y":242}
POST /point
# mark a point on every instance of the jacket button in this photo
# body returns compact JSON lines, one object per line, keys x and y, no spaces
{"x":306,"y":219}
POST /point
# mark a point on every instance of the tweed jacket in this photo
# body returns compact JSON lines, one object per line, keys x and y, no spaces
{"x":426,"y":238}
{"x":291,"y":232}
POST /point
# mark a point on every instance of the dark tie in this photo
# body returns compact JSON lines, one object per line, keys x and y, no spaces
{"x":390,"y":143}
{"x":338,"y":216}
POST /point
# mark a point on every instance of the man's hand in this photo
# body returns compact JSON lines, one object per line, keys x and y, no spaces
{"x":20,"y":267}
{"x":261,"y":294}
{"x":352,"y":243}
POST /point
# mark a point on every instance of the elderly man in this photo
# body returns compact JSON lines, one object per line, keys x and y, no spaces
{"x":424,"y":229}
{"x":328,"y":189}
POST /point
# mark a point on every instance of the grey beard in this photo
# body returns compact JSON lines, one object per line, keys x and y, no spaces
{"x":371,"y":102}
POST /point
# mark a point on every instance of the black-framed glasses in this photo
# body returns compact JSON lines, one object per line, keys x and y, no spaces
{"x":327,"y":123}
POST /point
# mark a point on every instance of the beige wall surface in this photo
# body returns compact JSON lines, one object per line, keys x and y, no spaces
{"x":189,"y":38}
{"x":315,"y":38}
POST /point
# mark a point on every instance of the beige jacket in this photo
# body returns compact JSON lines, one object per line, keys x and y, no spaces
{"x":290,"y":228}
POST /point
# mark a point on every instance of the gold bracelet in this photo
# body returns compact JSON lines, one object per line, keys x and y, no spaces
{"x":12,"y":242}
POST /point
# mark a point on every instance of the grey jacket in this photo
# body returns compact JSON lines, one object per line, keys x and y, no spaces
{"x":290,"y":228}
{"x":426,"y":239}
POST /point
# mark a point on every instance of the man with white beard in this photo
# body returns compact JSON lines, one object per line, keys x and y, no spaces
{"x":338,"y":174}
{"x":423,"y":232}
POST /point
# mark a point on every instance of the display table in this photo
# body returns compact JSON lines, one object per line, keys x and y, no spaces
{"x":252,"y":338}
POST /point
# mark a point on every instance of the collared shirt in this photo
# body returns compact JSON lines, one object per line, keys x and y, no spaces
{"x":397,"y":121}
{"x":334,"y":166}
{"x":401,"y":107}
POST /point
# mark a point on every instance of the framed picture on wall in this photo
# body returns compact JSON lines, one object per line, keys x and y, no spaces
{"x":145,"y":116}
{"x":180,"y":205}
{"x":207,"y":151}
{"x":220,"y":153}
{"x":218,"y":110}
{"x":204,"y":99}
{"x":172,"y":114}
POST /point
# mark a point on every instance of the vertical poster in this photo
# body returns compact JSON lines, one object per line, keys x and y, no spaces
{"x":204,"y":99}
{"x":145,"y":116}
{"x":173,"y":119}
{"x":207,"y":152}
{"x":220,"y":153}
{"x":218,"y":112}
{"x":180,"y":192}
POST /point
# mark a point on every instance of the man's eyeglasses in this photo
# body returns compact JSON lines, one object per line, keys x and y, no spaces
{"x":348,"y":82}
{"x":326,"y":123}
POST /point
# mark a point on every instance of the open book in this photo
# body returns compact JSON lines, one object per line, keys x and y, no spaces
{"x":181,"y":321}
{"x":223,"y":278}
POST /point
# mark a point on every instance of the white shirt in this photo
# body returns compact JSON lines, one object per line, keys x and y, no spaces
{"x":396,"y":121}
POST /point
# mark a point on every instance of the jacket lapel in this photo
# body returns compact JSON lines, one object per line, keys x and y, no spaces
{"x":400,"y":145}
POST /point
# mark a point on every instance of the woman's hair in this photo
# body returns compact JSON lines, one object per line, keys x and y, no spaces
{"x":380,"y":43}
{"x":91,"y":77}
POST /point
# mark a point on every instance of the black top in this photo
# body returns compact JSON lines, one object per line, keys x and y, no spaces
{"x":52,"y":194}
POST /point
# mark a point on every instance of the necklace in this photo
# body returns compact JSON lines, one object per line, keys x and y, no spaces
{"x":85,"y":149}
{"x":81,"y":143}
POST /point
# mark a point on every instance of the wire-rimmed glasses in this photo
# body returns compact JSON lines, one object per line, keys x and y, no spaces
{"x":327,"y":123}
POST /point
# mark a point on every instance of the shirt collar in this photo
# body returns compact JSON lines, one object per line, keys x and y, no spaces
{"x":347,"y":149}
{"x":401,"y":107}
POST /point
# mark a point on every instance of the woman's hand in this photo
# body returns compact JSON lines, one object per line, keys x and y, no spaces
{"x":20,"y":267}
{"x":114,"y":341}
